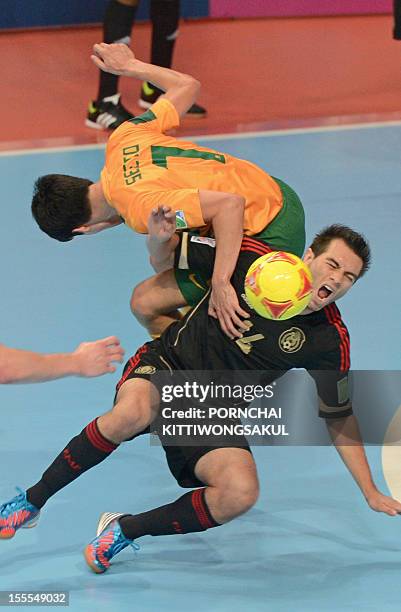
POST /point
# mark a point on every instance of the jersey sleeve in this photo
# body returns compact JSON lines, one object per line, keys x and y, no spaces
{"x":160,"y":117}
{"x":195,"y":253}
{"x":333,"y":391}
{"x":185,"y":203}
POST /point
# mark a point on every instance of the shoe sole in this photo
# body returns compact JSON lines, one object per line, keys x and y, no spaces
{"x":146,"y":105}
{"x":90,"y":563}
{"x":29,"y":525}
{"x":6,"y":536}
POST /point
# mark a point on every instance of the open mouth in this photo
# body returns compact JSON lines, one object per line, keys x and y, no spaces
{"x":324,"y":292}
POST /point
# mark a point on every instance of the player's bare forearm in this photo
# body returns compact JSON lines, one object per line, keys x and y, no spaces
{"x":161,"y":255}
{"x":347,"y":439}
{"x":225,"y":211}
{"x":181,"y":89}
{"x":348,"y":442}
{"x":18,"y":366}
{"x":227,"y":225}
{"x":162,"y":240}
{"x":89,"y":359}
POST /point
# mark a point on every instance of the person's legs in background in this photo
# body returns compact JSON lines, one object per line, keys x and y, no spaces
{"x":107,"y":111}
{"x":165,"y":15}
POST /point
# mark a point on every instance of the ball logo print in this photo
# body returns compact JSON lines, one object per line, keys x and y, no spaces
{"x":278,"y":285}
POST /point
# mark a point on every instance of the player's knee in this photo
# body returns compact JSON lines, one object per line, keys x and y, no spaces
{"x":133,"y":421}
{"x":141,"y":304}
{"x":240,"y":494}
{"x":125,"y":421}
{"x":245,"y":495}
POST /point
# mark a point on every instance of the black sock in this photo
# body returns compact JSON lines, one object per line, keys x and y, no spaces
{"x":82,"y":453}
{"x":188,"y":514}
{"x":397,"y":19}
{"x":117,"y":25}
{"x":165,"y":15}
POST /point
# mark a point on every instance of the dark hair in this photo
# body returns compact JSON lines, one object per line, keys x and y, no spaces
{"x":356,"y":242}
{"x":60,"y":203}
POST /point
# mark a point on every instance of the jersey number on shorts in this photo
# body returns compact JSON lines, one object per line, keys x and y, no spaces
{"x":160,"y":155}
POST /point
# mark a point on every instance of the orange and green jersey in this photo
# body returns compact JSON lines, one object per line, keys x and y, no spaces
{"x":146,"y":168}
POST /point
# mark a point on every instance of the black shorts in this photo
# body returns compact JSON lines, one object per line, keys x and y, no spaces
{"x":181,"y":460}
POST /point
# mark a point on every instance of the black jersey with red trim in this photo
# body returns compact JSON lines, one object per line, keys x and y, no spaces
{"x":318,"y":342}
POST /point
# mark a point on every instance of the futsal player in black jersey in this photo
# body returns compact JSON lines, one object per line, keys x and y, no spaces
{"x":222,"y":477}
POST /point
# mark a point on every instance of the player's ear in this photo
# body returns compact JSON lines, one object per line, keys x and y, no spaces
{"x":82,"y":229}
{"x":94,"y":228}
{"x":309,"y":256}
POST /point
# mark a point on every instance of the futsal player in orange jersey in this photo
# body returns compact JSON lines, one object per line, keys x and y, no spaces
{"x":205,"y":188}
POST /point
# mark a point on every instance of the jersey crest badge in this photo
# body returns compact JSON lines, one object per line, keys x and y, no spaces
{"x":180,"y":220}
{"x":291,"y":340}
{"x":147,"y":369}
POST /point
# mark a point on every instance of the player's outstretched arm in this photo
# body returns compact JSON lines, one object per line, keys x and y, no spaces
{"x":88,"y":360}
{"x":162,"y":239}
{"x":181,"y":89}
{"x":348,"y":442}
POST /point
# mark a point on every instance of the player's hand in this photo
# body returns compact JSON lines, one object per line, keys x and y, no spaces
{"x":115,"y":58}
{"x":224,"y":306}
{"x":161,"y":224}
{"x":382,"y":503}
{"x":96,"y":358}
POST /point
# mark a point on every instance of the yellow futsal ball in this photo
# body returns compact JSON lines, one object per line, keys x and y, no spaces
{"x":278,"y":285}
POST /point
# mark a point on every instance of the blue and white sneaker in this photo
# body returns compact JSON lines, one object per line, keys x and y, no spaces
{"x":109,"y":542}
{"x":16,"y":513}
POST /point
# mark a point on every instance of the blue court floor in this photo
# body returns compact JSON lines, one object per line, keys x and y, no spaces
{"x":311,"y":542}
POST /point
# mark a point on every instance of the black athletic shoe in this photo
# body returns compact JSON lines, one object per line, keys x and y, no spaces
{"x":107,"y":114}
{"x":149,"y":95}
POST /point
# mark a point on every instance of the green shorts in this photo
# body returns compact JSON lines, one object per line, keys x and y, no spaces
{"x":285,"y":233}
